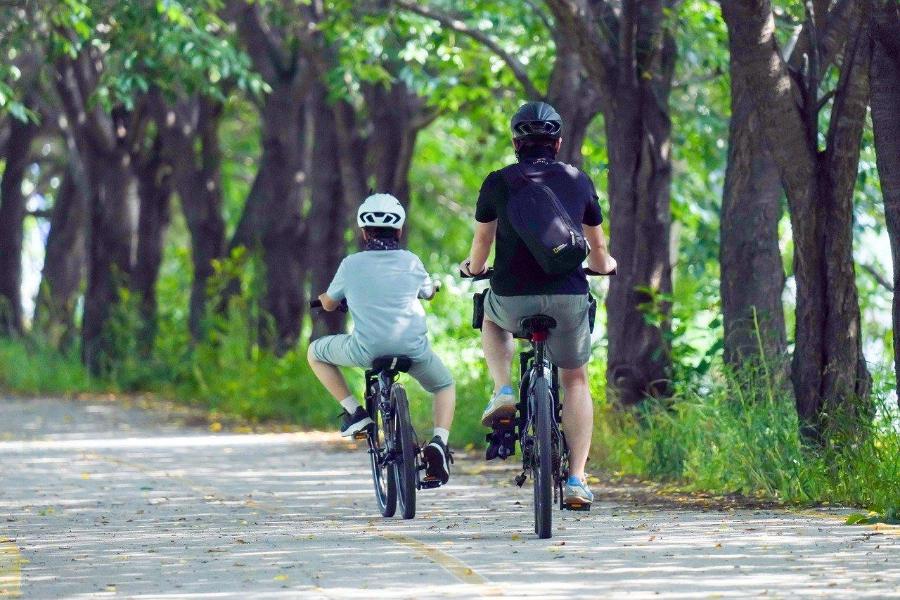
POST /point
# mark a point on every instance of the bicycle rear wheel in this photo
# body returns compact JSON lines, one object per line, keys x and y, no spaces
{"x":382,"y":470}
{"x":406,"y":453}
{"x":542,"y":459}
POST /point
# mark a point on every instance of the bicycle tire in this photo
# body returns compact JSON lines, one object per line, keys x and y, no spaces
{"x":542,"y":457}
{"x":406,"y":465}
{"x":383,"y":475}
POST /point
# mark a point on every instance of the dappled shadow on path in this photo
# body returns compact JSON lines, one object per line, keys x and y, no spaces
{"x":196,"y":515}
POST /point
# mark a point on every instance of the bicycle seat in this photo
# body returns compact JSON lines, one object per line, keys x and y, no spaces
{"x":536,"y":323}
{"x":397,"y":364}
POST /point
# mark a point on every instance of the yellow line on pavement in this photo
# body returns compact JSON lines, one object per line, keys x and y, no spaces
{"x":451,"y":564}
{"x":10,"y":570}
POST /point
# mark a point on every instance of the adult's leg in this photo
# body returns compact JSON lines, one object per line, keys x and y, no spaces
{"x":330,"y":376}
{"x":578,"y":417}
{"x":498,"y":348}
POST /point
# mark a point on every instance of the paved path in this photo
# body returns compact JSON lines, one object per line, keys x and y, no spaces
{"x":97,"y":501}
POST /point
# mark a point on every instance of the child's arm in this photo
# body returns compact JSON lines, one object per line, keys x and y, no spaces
{"x":332,"y":297}
{"x":329,"y":303}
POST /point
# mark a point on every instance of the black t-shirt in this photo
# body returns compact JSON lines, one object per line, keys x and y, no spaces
{"x":516,"y":272}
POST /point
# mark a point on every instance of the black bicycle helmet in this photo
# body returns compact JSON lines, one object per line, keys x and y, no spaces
{"x":536,"y":119}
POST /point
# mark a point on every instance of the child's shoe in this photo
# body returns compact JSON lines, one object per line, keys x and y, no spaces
{"x":358,"y":421}
{"x":437,"y":461}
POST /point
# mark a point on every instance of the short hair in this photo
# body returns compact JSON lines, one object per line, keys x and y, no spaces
{"x":382,"y":233}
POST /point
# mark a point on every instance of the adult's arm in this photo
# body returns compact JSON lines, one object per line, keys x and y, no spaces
{"x":481,"y":246}
{"x":599,"y":259}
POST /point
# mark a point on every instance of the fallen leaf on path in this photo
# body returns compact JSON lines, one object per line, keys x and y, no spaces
{"x":281,"y":577}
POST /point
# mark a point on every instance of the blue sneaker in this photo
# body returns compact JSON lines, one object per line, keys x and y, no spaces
{"x":502,"y":404}
{"x":577,"y":495}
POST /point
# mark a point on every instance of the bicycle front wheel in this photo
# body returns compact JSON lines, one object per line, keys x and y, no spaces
{"x":542,"y":458}
{"x":406,"y":453}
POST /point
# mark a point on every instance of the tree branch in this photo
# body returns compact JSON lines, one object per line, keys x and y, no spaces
{"x":517,"y":68}
{"x":262,"y":48}
{"x":877,"y":276}
{"x":541,"y":14}
{"x":840,"y":22}
{"x":575,"y":18}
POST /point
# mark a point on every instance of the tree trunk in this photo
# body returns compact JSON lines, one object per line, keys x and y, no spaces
{"x":396,"y":117}
{"x":328,"y":212}
{"x":885,"y":82}
{"x":272,"y":220}
{"x":12,"y":216}
{"x":573,"y":95}
{"x":828,"y":368}
{"x":638,"y":135}
{"x":752,"y":275}
{"x":64,"y":263}
{"x":102,"y":141}
{"x":630,"y":58}
{"x":154,"y":192}
{"x":196,"y":178}
{"x":846,"y":382}
{"x":111,"y":248}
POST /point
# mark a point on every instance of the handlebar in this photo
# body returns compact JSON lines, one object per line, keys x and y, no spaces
{"x":487,"y":274}
{"x":318,"y":304}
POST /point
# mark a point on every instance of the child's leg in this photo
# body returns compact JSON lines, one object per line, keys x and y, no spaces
{"x":325,"y":355}
{"x":431,"y":373}
{"x":329,"y":375}
{"x":444,"y":407}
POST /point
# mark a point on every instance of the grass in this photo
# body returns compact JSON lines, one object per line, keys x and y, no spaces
{"x":739,"y":434}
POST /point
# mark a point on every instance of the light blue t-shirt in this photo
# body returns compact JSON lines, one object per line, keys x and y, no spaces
{"x":382,"y":289}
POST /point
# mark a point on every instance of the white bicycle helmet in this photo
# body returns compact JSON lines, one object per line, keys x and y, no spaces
{"x":381,"y":210}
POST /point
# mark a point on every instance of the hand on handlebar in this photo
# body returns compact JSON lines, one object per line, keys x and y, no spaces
{"x":606,"y":266}
{"x":465,"y":272}
{"x":317,"y":303}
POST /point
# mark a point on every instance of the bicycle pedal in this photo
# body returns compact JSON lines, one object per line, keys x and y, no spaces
{"x":578,"y":506}
{"x":428,"y":483}
{"x":361,"y":434}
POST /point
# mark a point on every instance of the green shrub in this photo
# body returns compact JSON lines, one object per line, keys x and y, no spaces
{"x":738,"y":433}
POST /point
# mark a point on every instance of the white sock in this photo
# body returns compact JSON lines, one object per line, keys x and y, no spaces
{"x":350,"y":404}
{"x":442,"y":433}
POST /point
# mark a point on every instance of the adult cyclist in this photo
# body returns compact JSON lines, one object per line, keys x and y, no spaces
{"x":520,"y":287}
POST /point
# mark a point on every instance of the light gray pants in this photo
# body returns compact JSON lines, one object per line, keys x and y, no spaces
{"x":344,"y":350}
{"x":569,"y":344}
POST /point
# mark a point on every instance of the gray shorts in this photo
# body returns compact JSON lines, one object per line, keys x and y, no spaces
{"x":344,"y":350}
{"x":569,"y":344}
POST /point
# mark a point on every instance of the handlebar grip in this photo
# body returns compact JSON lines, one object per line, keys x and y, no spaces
{"x":592,"y":273}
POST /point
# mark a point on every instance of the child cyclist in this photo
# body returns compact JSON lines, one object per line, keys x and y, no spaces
{"x":382,"y":286}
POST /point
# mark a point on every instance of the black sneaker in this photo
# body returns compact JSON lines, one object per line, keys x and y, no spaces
{"x":358,"y":421}
{"x":437,"y":461}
